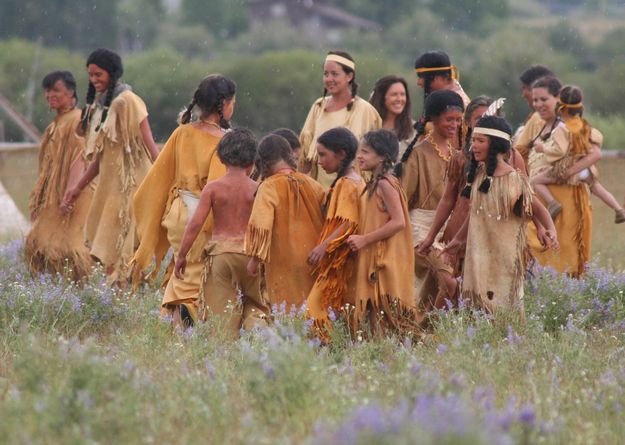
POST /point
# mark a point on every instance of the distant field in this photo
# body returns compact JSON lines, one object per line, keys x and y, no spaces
{"x":18,"y":173}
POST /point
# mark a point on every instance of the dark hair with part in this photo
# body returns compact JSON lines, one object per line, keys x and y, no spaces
{"x":237,"y":148}
{"x":403,"y":122}
{"x":550,"y":83}
{"x":291,"y":137}
{"x":496,"y":145}
{"x":477,"y":102}
{"x":572,"y":95}
{"x":64,"y":76}
{"x":110,"y":62}
{"x":210,"y":96}
{"x":340,"y":139}
{"x":437,"y":103}
{"x":386,"y":145}
{"x":271,"y":150}
{"x":347,"y":70}
{"x":533,"y":73}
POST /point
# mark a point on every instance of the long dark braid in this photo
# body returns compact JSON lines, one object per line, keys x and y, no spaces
{"x":86,"y":115}
{"x":491,"y":165}
{"x":466,"y":191}
{"x":186,"y":116}
{"x":223,"y":122}
{"x":110,"y":92}
{"x":385,"y":144}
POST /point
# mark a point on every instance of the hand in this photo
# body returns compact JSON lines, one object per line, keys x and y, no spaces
{"x":67,"y":204}
{"x":317,"y":254}
{"x":252,"y":267}
{"x":552,"y":236}
{"x":423,"y":248}
{"x":179,"y":268}
{"x":538,"y":147}
{"x":453,"y":247}
{"x":357,"y":242}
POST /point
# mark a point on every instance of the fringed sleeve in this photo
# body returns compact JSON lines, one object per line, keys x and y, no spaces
{"x":527,"y":195}
{"x":260,"y":227}
{"x":333,"y":270}
{"x":308,"y":131}
{"x":60,"y":147}
{"x":150,"y":205}
{"x":409,"y":180}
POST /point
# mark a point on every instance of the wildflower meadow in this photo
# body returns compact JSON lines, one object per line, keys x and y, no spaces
{"x":93,"y":365}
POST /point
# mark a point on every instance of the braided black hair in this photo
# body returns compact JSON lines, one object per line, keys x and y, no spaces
{"x":210,"y":96}
{"x":386,"y":145}
{"x":347,"y":70}
{"x":496,"y":145}
{"x":437,"y":103}
{"x":340,"y":139}
{"x":110,"y":62}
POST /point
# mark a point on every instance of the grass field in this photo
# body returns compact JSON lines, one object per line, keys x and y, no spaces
{"x":92,"y":365}
{"x":18,"y":174}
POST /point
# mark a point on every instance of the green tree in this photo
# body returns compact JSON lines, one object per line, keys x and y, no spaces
{"x":80,"y":25}
{"x":468,"y":15}
{"x":223,"y":18}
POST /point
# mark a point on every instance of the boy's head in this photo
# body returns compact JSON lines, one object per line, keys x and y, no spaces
{"x":237,"y":148}
{"x":272,"y":150}
{"x":434,"y":71}
{"x":529,"y":76}
{"x":292,"y":138}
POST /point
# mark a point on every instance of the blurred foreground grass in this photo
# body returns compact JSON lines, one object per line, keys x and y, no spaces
{"x":87,"y":365}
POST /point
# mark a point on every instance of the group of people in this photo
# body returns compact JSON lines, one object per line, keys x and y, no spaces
{"x":367,"y":214}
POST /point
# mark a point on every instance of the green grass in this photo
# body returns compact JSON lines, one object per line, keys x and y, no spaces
{"x":92,"y":365}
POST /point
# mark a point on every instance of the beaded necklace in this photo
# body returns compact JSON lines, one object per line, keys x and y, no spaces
{"x":430,"y":138}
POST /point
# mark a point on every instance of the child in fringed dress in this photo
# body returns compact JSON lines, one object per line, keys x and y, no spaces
{"x":496,"y":236}
{"x":333,"y":259}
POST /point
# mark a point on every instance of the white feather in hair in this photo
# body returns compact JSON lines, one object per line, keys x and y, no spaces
{"x":493,"y":109}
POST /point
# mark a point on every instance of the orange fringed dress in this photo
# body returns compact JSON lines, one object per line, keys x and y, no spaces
{"x":56,"y":242}
{"x":336,"y":281}
{"x":187,"y":162}
{"x":385,"y":270}
{"x":574,"y":223}
{"x":284,"y":227}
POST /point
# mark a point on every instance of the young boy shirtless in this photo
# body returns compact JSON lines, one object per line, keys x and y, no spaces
{"x":230,"y":198}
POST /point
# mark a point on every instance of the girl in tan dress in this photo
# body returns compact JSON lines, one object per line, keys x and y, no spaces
{"x":385,"y":294}
{"x":166,"y":199}
{"x":121,"y":149}
{"x":56,"y":242}
{"x":339,"y":106}
{"x":332,"y":257}
{"x":496,"y":234}
{"x":423,"y":179}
